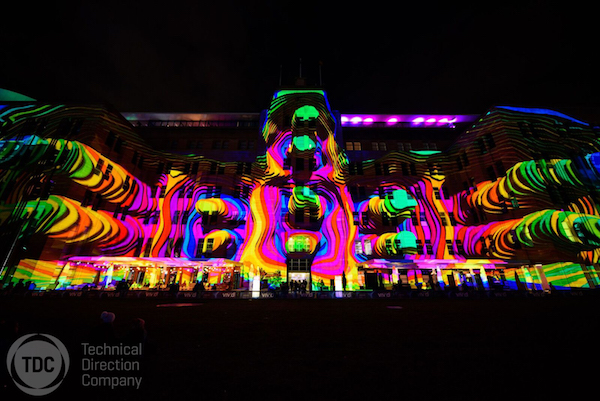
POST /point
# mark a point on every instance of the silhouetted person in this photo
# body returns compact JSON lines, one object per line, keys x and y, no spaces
{"x":19,"y":287}
{"x":199,"y":287}
{"x":105,"y":331}
{"x":137,"y":333}
{"x":285,"y":287}
{"x":122,"y":288}
{"x":9,"y":287}
{"x":174,"y":288}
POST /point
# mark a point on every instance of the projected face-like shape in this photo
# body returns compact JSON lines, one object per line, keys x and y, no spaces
{"x":300,"y":207}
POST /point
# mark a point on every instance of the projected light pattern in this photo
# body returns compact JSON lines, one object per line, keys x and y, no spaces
{"x":302,"y":206}
{"x":415,"y":120}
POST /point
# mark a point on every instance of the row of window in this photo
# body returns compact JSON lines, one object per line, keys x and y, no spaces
{"x":300,"y":164}
{"x":192,"y":168}
{"x":535,"y":130}
{"x":303,"y":264}
{"x":382,"y":146}
{"x":301,"y":216}
{"x":216,"y":144}
{"x":356,"y":168}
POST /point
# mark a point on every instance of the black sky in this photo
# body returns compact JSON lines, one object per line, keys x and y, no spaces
{"x":376,"y":57}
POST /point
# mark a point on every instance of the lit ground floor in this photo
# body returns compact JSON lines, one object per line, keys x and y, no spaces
{"x":218,"y":274}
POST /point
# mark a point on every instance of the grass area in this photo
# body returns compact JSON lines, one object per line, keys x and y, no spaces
{"x":335,"y":349}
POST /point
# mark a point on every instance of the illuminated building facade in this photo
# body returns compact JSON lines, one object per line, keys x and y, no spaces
{"x":299,"y":192}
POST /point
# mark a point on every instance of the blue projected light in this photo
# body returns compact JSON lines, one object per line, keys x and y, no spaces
{"x":543,"y":111}
{"x":594,"y":159}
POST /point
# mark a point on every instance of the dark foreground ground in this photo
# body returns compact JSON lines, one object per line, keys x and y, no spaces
{"x":475,"y":349}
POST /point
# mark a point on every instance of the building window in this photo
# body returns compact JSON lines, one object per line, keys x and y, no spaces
{"x":443,"y":219}
{"x":405,"y":169}
{"x":209,"y":246}
{"x":148,"y":247}
{"x":110,"y":139}
{"x":199,"y":247}
{"x":107,"y":172}
{"x":353,"y":146}
{"x":358,"y":249}
{"x":299,"y":243}
{"x":420,"y":247}
{"x":382,"y":169}
{"x":368,"y":248}
{"x":245,"y":145}
{"x":118,"y":145}
{"x":450,"y":247}
{"x":220,"y":144}
{"x":355,"y":168}
{"x":213,"y":191}
{"x":481,"y":146}
{"x":365,"y":218}
{"x":500,"y":168}
{"x":298,"y":265}
{"x":379,"y":146}
{"x":464,"y":158}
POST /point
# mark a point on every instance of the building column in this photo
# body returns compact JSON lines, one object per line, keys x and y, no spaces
{"x":484,"y":279}
{"x":544,"y":281}
{"x":440,"y":277}
{"x":588,"y":276}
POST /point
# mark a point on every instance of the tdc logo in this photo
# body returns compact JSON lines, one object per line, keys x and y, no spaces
{"x":37,"y":363}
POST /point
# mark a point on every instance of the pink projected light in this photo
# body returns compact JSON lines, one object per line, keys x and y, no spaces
{"x":360,"y":120}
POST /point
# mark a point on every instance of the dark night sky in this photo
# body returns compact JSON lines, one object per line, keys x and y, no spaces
{"x":377,"y":56}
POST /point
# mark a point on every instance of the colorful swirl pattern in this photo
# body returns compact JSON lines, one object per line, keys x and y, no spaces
{"x":531,"y":213}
